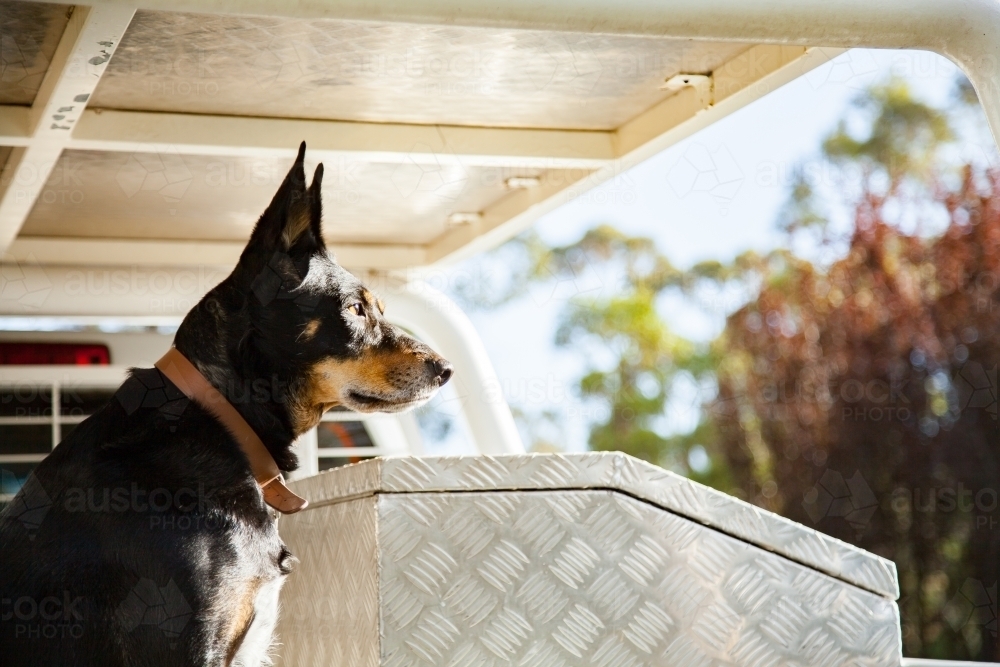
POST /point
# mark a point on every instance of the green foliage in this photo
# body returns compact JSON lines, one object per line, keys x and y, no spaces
{"x":648,"y":355}
{"x":637,"y":386}
{"x":801,"y":212}
{"x":902,"y":139}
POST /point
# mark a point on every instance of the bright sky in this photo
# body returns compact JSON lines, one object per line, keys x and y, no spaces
{"x":711,"y":196}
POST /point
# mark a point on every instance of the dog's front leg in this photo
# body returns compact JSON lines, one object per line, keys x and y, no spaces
{"x":253,"y":647}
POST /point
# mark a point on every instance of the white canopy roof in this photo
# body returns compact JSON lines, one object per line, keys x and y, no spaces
{"x":154,"y":137}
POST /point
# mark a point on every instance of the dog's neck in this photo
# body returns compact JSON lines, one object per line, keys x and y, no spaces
{"x":211,"y":337}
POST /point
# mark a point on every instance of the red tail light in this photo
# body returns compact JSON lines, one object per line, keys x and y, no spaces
{"x":37,"y":354}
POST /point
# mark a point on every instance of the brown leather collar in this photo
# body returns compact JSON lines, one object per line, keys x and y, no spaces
{"x":189,"y":380}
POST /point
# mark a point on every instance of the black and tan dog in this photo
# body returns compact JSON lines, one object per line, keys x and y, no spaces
{"x":144,"y":538}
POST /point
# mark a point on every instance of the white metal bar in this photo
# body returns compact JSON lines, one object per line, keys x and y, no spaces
{"x":90,"y":38}
{"x":40,"y":421}
{"x":924,"y":662}
{"x":87,"y":44}
{"x":441,"y":323}
{"x":25,"y":421}
{"x":354,"y":452}
{"x":332,"y":140}
{"x":69,"y":376}
{"x":388,"y":435}
{"x":191,"y":254}
{"x":72,"y":419}
{"x":149,"y":292}
{"x":204,"y":134}
{"x":22,"y":458}
{"x":56,"y":409}
{"x":339,"y":416}
{"x":25,"y":174}
{"x":514,"y":213}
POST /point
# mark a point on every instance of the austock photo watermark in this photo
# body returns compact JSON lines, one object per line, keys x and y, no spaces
{"x":549,"y":391}
{"x":26,"y":286}
{"x":65,"y":616}
{"x":181,"y":509}
{"x":857,"y":69}
{"x":851,"y":498}
{"x":162,"y":176}
{"x":619,"y":190}
{"x":170,"y":177}
{"x":165,"y":172}
{"x":973,"y":605}
{"x":50,"y":617}
{"x":162,"y":607}
{"x":969,"y":387}
{"x":463,"y":62}
{"x":23,"y":284}
{"x":29,"y":399}
{"x":185,"y":283}
{"x":827,"y":176}
{"x":711,"y":172}
{"x":61,"y":181}
{"x":438,"y":175}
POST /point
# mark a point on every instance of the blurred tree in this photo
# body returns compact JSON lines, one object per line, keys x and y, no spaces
{"x":858,"y":396}
{"x":863,"y":398}
{"x":648,"y":357}
{"x":624,"y":322}
{"x":902,"y":141}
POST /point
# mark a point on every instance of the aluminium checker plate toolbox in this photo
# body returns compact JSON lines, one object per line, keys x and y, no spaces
{"x":567,"y":560}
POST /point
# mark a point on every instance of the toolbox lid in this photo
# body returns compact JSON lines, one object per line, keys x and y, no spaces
{"x":607,"y":470}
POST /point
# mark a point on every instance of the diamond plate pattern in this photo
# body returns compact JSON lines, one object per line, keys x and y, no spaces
{"x":611,"y":471}
{"x":595,"y":578}
{"x":393,"y":72}
{"x":329,"y":605}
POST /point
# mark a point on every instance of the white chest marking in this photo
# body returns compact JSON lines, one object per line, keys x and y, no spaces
{"x":256,"y":647}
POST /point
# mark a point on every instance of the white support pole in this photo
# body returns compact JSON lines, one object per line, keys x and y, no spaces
{"x":25,"y":174}
{"x":441,"y":323}
{"x":306,"y":447}
{"x":87,"y":45}
{"x":411,"y":432}
{"x":388,"y":434}
{"x":56,"y":414}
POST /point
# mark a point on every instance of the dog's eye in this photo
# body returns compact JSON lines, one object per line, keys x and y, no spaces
{"x":357,"y":308}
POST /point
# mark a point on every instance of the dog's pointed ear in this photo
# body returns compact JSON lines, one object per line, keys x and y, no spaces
{"x":291,"y":224}
{"x":316,"y":205}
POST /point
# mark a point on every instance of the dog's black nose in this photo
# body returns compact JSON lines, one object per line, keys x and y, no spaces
{"x":442,"y":370}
